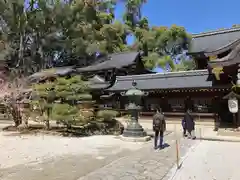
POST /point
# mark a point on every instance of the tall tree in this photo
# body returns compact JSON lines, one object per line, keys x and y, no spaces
{"x":133,"y":12}
{"x":39,"y":31}
{"x":161,"y":45}
{"x":40,"y":34}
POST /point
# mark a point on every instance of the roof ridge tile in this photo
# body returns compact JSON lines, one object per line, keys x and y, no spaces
{"x":164,"y":75}
{"x":215,"y":32}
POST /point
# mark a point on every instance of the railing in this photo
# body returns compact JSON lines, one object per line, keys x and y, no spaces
{"x":167,"y":114}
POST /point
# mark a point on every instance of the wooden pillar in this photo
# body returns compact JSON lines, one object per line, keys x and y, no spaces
{"x":215,"y":105}
{"x":237,"y":115}
{"x":238,"y":119}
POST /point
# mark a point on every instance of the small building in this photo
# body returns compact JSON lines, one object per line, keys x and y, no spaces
{"x":101,"y":75}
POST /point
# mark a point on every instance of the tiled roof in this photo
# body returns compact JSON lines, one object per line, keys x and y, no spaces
{"x":58,"y":71}
{"x":97,"y":82}
{"x":172,"y":80}
{"x":117,"y":61}
{"x":231,"y":59}
{"x":214,"y":40}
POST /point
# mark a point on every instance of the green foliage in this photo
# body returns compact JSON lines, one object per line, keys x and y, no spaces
{"x":34,"y":32}
{"x":59,"y":99}
{"x":107,"y":115}
{"x":71,"y":90}
{"x":162,"y":45}
{"x":76,"y":30}
{"x":185,"y":65}
{"x":66,"y":114}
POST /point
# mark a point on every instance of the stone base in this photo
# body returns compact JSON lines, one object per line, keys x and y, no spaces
{"x":229,"y":132}
{"x":135,"y":139}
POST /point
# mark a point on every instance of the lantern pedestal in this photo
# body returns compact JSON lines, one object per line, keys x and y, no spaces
{"x":135,"y":139}
{"x":134,"y":131}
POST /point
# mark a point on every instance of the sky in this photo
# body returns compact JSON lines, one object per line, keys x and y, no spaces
{"x":195,"y":15}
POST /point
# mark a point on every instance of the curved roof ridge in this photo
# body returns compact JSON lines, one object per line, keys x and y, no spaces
{"x":97,"y":79}
{"x":230,"y":59}
{"x":223,"y":48}
{"x":215,"y":32}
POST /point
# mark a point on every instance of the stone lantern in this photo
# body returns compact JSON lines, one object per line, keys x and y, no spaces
{"x":233,"y":106}
{"x":134,"y":129}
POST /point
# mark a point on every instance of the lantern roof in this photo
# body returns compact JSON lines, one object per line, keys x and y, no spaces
{"x":231,"y":95}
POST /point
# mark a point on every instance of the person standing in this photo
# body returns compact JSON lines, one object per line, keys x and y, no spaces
{"x":184,"y":127}
{"x":159,"y":126}
{"x":190,"y":124}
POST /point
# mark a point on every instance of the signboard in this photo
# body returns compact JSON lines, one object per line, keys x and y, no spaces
{"x":233,"y":105}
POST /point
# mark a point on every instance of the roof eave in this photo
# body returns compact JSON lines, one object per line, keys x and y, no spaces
{"x":232,"y":58}
{"x":210,"y":33}
{"x":222,"y":49}
{"x":200,"y":53}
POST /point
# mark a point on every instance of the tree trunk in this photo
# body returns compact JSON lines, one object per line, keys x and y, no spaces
{"x":20,"y":52}
{"x":47,"y":124}
{"x":17,"y":118}
{"x":25,"y":121}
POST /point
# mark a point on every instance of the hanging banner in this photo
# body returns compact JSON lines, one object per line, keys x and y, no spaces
{"x":217,"y":71}
{"x":233,"y":105}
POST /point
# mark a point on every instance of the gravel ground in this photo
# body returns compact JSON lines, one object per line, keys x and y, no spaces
{"x":211,"y":160}
{"x":15,"y":150}
{"x":45,"y":157}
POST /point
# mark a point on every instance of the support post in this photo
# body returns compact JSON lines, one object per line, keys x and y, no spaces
{"x":200,"y":134}
{"x":177,"y":154}
{"x":238,"y":84}
{"x":238,"y":120}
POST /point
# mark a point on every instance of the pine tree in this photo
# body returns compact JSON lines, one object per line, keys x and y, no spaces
{"x":59,"y":99}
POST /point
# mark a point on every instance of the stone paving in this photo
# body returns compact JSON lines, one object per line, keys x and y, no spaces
{"x":146,"y":164}
{"x":44,"y":157}
{"x":60,"y":168}
{"x":211,"y":160}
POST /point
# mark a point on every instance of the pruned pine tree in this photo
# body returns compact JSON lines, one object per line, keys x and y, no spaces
{"x":58,"y":100}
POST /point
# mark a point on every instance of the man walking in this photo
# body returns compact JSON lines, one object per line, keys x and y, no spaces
{"x":190,"y":124}
{"x":159,"y":126}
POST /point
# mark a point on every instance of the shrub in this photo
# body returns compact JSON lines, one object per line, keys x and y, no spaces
{"x":61,"y":98}
{"x":107,"y":115}
{"x":66,"y":114}
{"x":87,"y":115}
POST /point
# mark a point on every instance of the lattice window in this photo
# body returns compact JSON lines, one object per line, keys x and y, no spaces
{"x":177,"y":104}
{"x":202,"y":104}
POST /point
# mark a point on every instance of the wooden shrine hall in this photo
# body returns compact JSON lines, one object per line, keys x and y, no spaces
{"x":217,"y":55}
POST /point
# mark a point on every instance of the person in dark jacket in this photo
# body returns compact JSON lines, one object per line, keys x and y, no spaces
{"x":189,"y":124}
{"x":159,"y":126}
{"x":184,"y":127}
